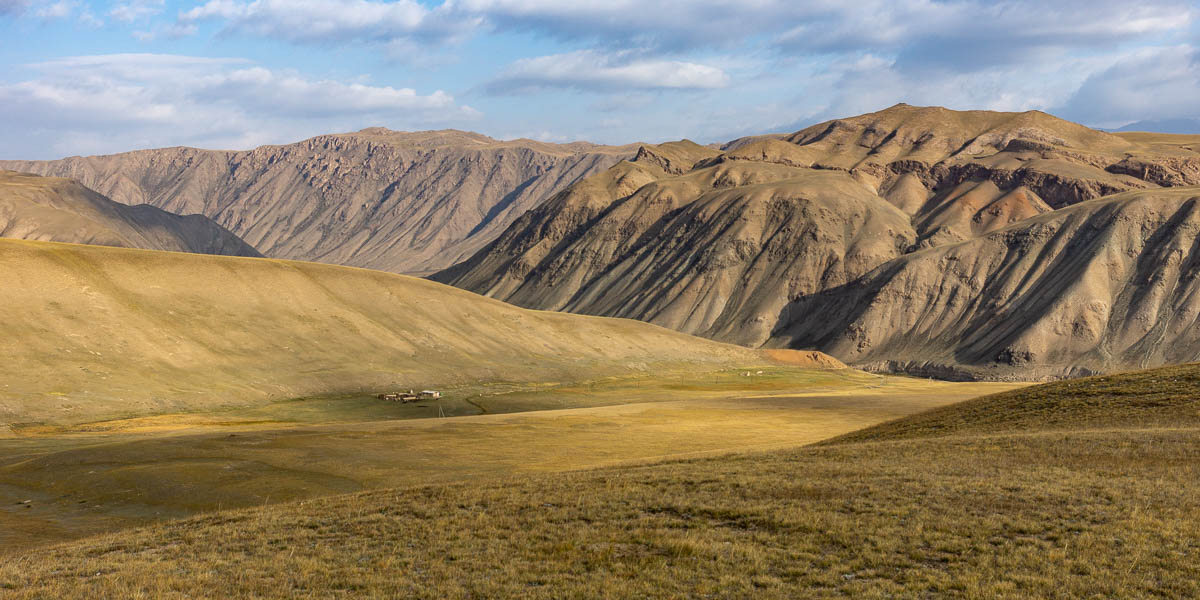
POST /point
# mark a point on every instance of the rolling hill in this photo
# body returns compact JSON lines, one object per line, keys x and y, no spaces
{"x":61,"y":210}
{"x":380,"y":199}
{"x":738,"y":244}
{"x":90,"y":332}
{"x":1162,"y":398}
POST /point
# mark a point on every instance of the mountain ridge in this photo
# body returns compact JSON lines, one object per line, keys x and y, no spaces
{"x":729,"y":247}
{"x":376,"y":198}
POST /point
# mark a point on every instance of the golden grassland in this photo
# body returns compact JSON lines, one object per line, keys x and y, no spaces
{"x":103,"y":476}
{"x":1041,"y":504}
{"x":1066,"y":515}
{"x":90,"y":333}
{"x":1164,"y":397}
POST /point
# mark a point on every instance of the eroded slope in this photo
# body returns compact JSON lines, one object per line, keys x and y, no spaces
{"x":394,"y":201}
{"x":1109,"y":284}
{"x":721,"y":247}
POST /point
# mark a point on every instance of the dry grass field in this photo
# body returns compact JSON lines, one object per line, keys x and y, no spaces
{"x":1167,"y":397}
{"x":90,"y":333}
{"x":1079,"y":495}
{"x":140,"y":387}
{"x":571,"y":457}
{"x":102,"y":476}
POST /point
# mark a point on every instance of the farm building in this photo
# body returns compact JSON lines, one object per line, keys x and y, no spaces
{"x":402,"y":397}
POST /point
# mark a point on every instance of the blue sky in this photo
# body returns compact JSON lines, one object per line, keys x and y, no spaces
{"x":100,"y":76}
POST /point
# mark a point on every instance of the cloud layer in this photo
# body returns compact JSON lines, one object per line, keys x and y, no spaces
{"x":611,"y":71}
{"x":331,"y":21}
{"x":76,"y":104}
{"x":591,"y":70}
{"x":1163,"y":82}
{"x":11,"y":7}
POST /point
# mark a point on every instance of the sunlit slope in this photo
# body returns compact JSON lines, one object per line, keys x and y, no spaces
{"x":91,"y":332}
{"x":1166,"y":397}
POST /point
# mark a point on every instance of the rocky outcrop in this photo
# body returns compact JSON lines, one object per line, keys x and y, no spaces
{"x":1167,"y":172}
{"x":675,"y":158}
{"x":394,"y":201}
{"x":52,"y":209}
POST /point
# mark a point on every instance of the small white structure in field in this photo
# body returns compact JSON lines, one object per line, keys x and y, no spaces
{"x":431,"y":394}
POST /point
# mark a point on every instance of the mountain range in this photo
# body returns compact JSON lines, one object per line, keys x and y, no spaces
{"x":881,"y":239}
{"x":1184,"y":126}
{"x":961,"y":244}
{"x":380,"y":199}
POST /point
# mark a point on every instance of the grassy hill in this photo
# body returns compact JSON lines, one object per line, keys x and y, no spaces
{"x":1156,"y":398}
{"x":92,"y":333}
{"x":1043,"y":505}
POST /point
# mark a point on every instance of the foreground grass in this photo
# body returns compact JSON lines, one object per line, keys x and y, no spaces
{"x":1086,"y":514}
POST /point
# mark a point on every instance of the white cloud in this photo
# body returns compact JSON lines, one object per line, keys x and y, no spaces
{"x":48,"y":12}
{"x":56,"y":10}
{"x":114,"y":103}
{"x":1150,"y":83}
{"x":875,"y":24}
{"x":871,"y":82}
{"x":589,"y":69}
{"x":136,"y":10}
{"x":954,"y":32}
{"x":978,"y":29}
{"x":322,"y":21}
{"x":669,"y":24}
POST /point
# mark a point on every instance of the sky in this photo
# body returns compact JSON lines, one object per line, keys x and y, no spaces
{"x":81,"y":77}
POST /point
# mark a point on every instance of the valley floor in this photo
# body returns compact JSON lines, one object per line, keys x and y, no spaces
{"x":1076,"y":489}
{"x":97,"y":477}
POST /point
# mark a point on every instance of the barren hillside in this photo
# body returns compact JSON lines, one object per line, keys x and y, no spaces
{"x":719,"y":243}
{"x":61,"y":210}
{"x":1108,"y":284}
{"x":388,"y":200}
